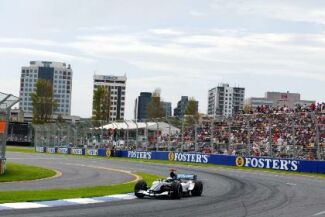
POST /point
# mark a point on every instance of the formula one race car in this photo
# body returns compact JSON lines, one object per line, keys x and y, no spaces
{"x":174,"y":188}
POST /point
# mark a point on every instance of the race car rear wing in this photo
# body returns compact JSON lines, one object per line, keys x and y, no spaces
{"x":186,"y":176}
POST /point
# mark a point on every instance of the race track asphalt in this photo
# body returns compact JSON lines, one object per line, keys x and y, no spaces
{"x":227,"y":192}
{"x":74,"y":173}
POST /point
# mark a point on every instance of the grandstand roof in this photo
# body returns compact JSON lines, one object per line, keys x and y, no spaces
{"x":130,"y":125}
{"x":7,"y":101}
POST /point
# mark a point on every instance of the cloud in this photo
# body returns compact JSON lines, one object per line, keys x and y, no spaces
{"x":100,"y":28}
{"x":213,"y":53}
{"x":29,"y":41}
{"x":166,"y":32}
{"x":40,"y":54}
{"x":121,"y":45}
{"x":291,"y":10}
{"x":196,"y":13}
{"x":220,"y":53}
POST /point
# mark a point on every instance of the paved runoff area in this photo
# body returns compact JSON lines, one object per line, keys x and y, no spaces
{"x":227,"y":192}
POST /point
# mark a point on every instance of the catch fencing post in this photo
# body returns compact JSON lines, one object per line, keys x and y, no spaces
{"x":294,"y":141}
{"x":293,"y":132}
{"x":157,"y":131}
{"x":317,"y":136}
{"x":196,"y":124}
{"x":146,"y":135}
{"x":212,"y":135}
{"x":169,"y":133}
{"x":136,"y":135}
{"x":127,"y":134}
{"x":229,"y":133}
{"x":102,"y":134}
{"x":249,"y":139}
{"x":182,"y":134}
{"x":318,"y":142}
{"x":270,"y":142}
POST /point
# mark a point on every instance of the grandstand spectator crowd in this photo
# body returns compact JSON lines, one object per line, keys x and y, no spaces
{"x":278,"y":132}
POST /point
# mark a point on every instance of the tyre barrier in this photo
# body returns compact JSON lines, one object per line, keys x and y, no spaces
{"x":311,"y":166}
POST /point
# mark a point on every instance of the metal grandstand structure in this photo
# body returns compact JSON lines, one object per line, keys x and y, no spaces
{"x":6,"y":102}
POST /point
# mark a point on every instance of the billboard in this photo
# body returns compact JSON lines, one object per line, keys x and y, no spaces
{"x":312,"y":166}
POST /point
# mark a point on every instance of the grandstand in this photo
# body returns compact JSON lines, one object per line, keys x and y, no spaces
{"x":19,"y":134}
{"x":278,"y":132}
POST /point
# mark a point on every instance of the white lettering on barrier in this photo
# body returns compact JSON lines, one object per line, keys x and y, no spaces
{"x":50,"y":150}
{"x":40,"y":149}
{"x":93,"y":152}
{"x":63,"y":150}
{"x":76,"y":151}
{"x":139,"y":154}
{"x":268,"y":163}
{"x":283,"y":164}
{"x":294,"y":165}
{"x":254,"y":162}
{"x":188,"y":157}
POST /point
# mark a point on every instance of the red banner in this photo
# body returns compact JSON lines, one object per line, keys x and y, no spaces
{"x":284,"y":96}
{"x":2,"y":126}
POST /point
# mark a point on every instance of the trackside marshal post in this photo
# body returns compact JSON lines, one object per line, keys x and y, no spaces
{"x":6,"y":102}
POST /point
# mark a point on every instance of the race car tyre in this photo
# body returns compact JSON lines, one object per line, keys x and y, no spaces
{"x":140,"y":185}
{"x":198,"y":188}
{"x":176,"y":190}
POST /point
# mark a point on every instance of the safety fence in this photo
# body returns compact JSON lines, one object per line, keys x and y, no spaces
{"x":281,"y":135}
{"x":297,"y":165}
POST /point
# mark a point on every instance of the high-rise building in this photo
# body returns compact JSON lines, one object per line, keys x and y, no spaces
{"x":140,"y":108}
{"x":167,"y":108}
{"x":58,"y":73}
{"x":278,"y":99}
{"x":283,"y":99}
{"x":116,"y":85}
{"x":224,"y":100}
{"x":179,"y":111}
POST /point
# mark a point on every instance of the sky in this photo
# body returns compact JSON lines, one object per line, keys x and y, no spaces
{"x":183,"y":47}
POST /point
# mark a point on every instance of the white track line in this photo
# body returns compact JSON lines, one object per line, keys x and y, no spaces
{"x":23,"y":205}
{"x":83,"y":201}
{"x":320,"y":213}
{"x":293,"y":184}
{"x":66,"y":202}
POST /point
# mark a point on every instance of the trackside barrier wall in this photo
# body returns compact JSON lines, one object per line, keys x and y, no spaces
{"x":103,"y":152}
{"x":254,"y":162}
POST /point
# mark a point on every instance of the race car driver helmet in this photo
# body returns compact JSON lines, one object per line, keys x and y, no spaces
{"x":172,"y":173}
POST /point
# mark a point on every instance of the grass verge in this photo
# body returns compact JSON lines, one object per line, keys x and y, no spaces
{"x":66,"y":193}
{"x":21,"y":172}
{"x":20,"y":149}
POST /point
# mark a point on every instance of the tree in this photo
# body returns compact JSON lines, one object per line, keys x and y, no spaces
{"x":191,"y":111}
{"x":43,"y":102}
{"x":247,"y":109}
{"x":60,"y":119}
{"x":101,"y":104}
{"x":175,"y":121}
{"x":154,"y":107}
